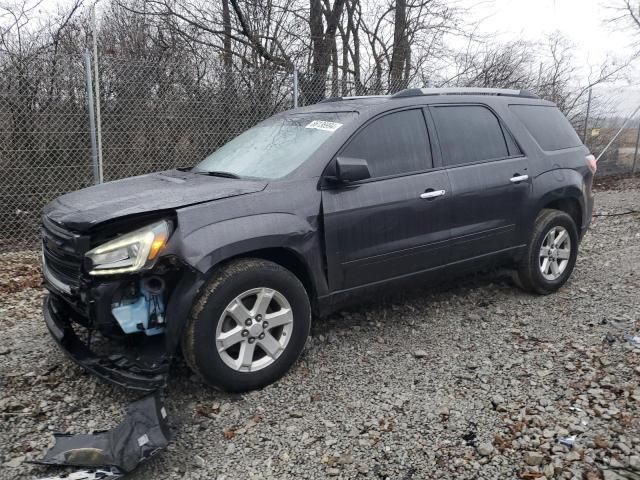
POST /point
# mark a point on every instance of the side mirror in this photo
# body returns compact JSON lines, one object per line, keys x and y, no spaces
{"x":351,"y":169}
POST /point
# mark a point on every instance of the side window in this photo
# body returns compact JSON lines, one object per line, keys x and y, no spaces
{"x":394,"y":144}
{"x":468,"y":133}
{"x":514,"y":149}
{"x":548,"y":126}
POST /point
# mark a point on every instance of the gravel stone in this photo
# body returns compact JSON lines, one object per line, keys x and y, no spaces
{"x":15,"y":462}
{"x":485,"y":449}
{"x":507,"y":375}
{"x":533,"y":458}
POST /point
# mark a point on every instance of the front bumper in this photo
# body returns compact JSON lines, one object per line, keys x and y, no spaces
{"x":143,"y":369}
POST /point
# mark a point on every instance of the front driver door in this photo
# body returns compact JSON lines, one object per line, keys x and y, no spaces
{"x":397,"y":222}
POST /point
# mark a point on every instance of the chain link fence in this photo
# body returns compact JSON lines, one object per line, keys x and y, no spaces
{"x":153,"y":116}
{"x":44,"y":140}
{"x":623,"y":156}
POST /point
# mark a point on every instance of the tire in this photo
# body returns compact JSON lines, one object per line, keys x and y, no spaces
{"x":530,"y":275}
{"x":215,"y":315}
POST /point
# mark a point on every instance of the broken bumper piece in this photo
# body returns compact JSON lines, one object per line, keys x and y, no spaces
{"x":120,"y":369}
{"x":113,"y":453}
{"x":97,"y":474}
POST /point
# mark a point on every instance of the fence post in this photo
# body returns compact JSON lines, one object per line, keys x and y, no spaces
{"x":97,"y":87}
{"x":92,"y":119}
{"x":295,"y":88}
{"x":635,"y":154}
{"x":586,"y":119}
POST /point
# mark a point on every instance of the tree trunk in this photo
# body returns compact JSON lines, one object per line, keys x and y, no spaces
{"x":322,"y":39}
{"x":400,"y":50}
{"x":354,"y":29}
{"x":334,"y":69}
{"x":344,"y":87}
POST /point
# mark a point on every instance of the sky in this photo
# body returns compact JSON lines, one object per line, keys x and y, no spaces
{"x":583,"y":22}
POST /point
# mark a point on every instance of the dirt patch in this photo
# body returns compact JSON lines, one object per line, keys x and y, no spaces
{"x":19,"y":271}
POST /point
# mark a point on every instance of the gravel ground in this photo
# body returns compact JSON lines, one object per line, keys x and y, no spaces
{"x":478,"y":380}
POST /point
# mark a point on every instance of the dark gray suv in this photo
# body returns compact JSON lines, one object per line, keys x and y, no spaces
{"x":301,"y":213}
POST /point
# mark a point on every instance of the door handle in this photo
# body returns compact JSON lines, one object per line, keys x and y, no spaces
{"x":432,"y":194}
{"x":519,"y":178}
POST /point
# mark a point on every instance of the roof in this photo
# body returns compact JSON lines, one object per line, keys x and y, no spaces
{"x":419,"y":92}
{"x":429,"y":95}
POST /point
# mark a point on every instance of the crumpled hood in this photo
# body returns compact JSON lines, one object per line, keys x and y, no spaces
{"x":172,"y":189}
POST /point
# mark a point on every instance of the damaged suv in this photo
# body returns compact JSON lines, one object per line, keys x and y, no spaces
{"x":229,"y":259}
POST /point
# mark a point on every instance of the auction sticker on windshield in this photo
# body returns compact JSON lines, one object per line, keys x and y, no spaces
{"x":324,"y":125}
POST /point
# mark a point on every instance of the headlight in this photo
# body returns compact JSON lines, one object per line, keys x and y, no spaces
{"x":130,"y":252}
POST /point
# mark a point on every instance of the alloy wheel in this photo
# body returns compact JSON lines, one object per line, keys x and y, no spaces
{"x":555,"y":253}
{"x":254,"y":329}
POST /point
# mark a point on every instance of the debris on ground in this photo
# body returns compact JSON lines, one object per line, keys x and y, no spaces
{"x":97,"y":474}
{"x":143,"y":433}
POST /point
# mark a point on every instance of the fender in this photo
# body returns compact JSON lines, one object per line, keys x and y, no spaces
{"x":179,"y":306}
{"x":208,"y":246}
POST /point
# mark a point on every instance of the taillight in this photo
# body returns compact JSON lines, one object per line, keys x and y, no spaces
{"x":592,"y":163}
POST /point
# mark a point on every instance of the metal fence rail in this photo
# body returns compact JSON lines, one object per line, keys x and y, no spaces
{"x":153,"y":116}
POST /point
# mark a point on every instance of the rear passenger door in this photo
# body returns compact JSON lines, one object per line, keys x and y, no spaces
{"x":489,"y":179}
{"x":395,"y":223}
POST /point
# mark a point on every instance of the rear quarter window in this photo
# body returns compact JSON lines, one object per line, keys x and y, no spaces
{"x":548,"y":126}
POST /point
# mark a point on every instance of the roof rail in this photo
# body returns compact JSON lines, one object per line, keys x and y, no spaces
{"x":505,"y":92}
{"x":355,"y":97}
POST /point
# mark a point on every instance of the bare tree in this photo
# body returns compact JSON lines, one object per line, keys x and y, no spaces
{"x":627,"y":16}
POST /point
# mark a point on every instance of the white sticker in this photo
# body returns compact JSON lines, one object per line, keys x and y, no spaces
{"x":143,"y":440}
{"x":163,"y":412}
{"x":323,"y":125}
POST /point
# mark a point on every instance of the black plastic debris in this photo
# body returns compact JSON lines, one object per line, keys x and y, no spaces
{"x":471,"y":437}
{"x":143,"y":433}
{"x":97,"y":474}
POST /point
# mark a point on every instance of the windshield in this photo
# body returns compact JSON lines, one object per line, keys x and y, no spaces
{"x":275,"y":147}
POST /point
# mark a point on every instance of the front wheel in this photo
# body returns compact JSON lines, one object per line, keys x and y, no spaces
{"x":551,"y":253}
{"x":248,"y":327}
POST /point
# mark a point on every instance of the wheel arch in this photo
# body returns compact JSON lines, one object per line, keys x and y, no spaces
{"x":568,"y":198}
{"x":569,"y":205}
{"x":286,"y":258}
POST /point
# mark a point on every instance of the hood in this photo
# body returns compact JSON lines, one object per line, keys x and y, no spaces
{"x":86,"y":208}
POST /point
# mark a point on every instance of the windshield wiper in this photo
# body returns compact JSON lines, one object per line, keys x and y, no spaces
{"x":214,"y":173}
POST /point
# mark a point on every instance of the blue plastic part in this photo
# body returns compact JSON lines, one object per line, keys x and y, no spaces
{"x":132,"y":315}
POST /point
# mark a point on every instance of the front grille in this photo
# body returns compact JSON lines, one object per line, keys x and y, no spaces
{"x":60,"y":253}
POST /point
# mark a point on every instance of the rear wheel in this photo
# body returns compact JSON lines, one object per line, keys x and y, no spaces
{"x":551,"y":253}
{"x":249,"y":326}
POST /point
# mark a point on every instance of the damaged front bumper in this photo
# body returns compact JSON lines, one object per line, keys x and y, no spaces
{"x":142,"y":364}
{"x":124,"y":329}
{"x":141,"y":368}
{"x":113,"y":337}
{"x":143,"y":433}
